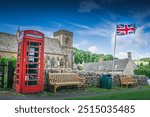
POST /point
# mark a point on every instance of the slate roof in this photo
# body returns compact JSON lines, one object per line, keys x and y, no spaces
{"x":8,"y":43}
{"x":53,"y":46}
{"x":106,"y":65}
{"x":91,"y":66}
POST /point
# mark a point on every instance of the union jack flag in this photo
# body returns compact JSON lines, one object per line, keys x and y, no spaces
{"x":125,"y":29}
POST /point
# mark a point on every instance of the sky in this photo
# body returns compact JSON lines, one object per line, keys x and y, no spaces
{"x":93,"y":22}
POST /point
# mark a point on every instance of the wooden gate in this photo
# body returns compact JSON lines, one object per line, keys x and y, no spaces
{"x":2,"y":73}
{"x":6,"y":74}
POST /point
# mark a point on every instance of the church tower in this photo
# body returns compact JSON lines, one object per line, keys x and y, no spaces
{"x":66,"y":41}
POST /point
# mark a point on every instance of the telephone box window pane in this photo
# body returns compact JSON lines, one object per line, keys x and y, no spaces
{"x":34,"y":44}
{"x":32,"y":83}
{"x":32,"y":65}
{"x":31,"y":60}
{"x":31,"y":51}
{"x":31,"y":80}
{"x":32,"y":71}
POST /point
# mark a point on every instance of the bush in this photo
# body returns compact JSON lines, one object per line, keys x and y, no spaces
{"x":9,"y":59}
{"x":142,"y":71}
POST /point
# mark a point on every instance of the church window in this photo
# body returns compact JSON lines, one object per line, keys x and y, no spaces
{"x":53,"y":62}
{"x":61,"y":62}
{"x":67,"y":41}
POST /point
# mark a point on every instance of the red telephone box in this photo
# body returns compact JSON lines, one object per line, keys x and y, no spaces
{"x":30,"y":62}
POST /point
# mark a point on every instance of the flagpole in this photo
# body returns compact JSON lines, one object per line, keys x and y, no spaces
{"x":113,"y":65}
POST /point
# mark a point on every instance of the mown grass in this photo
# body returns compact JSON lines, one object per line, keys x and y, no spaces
{"x":140,"y":93}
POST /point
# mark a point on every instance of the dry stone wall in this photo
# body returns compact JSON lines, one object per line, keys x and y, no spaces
{"x":142,"y":80}
{"x":92,"y":79}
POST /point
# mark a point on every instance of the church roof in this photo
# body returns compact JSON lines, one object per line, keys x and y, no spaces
{"x":106,"y":65}
{"x":53,"y":46}
{"x":8,"y":43}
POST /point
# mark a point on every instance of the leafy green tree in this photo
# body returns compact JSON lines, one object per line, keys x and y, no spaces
{"x":86,"y":56}
{"x":108,"y":57}
{"x":143,"y":70}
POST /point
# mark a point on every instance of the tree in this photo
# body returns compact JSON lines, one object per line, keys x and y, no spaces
{"x":86,"y":56}
{"x":143,"y":70}
{"x":108,"y":57}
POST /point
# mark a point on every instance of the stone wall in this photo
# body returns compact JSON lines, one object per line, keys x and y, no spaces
{"x":92,"y":79}
{"x":142,"y":80}
{"x":116,"y":81}
{"x":8,"y":55}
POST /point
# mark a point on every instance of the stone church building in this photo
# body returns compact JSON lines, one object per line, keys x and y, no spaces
{"x":58,"y":50}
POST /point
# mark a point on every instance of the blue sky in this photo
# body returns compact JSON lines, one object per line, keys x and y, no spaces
{"x":91,"y":21}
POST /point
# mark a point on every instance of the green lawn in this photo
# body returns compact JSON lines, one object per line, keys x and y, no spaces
{"x":140,"y":93}
{"x":116,"y":93}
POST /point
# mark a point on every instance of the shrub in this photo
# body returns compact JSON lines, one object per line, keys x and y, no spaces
{"x":9,"y":59}
{"x":142,"y":71}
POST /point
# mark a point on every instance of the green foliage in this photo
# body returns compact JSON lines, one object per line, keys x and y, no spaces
{"x":143,"y":70}
{"x":9,"y":59}
{"x":108,"y":57}
{"x":141,"y":64}
{"x":81,"y":56}
{"x":145,"y":59}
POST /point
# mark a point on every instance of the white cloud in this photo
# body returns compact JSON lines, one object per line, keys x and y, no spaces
{"x":83,"y":43}
{"x":121,"y":55}
{"x":135,"y":55}
{"x":79,"y":25}
{"x":103,"y":30}
{"x":139,"y":16}
{"x":12,"y":28}
{"x":140,"y":55}
{"x":94,"y":49}
{"x":88,"y":5}
{"x":140,"y":37}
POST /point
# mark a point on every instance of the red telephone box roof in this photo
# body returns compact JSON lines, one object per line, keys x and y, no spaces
{"x":32,"y":34}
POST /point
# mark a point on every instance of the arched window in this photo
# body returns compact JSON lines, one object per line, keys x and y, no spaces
{"x":67,"y":41}
{"x":53,"y":62}
{"x":61,"y":62}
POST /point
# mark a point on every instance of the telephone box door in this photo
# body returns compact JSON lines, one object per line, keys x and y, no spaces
{"x":33,"y":71}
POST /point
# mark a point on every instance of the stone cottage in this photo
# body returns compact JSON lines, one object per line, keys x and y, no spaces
{"x":58,"y":50}
{"x":122,"y":66}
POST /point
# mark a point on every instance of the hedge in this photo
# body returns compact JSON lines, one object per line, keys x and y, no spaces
{"x":143,"y":71}
{"x":9,"y":59}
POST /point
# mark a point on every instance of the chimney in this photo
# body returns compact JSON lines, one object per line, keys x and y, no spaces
{"x":129,"y":55}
